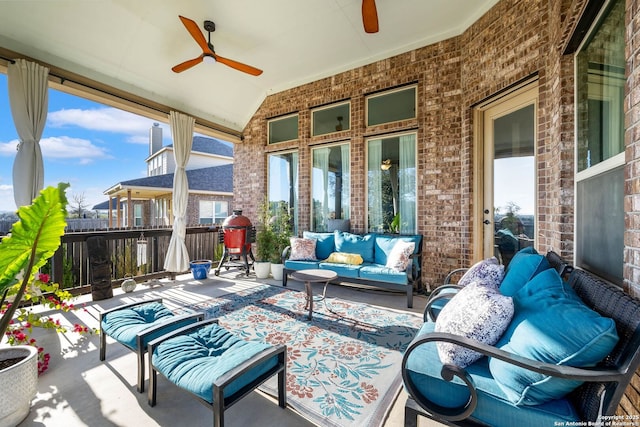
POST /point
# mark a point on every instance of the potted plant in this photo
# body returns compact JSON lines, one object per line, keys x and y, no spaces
{"x":34,"y":238}
{"x":265,"y":240}
{"x":281,"y":226}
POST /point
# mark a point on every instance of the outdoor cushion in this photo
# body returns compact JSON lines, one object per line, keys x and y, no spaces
{"x":300,"y":265}
{"x":399,"y":257}
{"x":325,"y":243}
{"x":522,"y":268}
{"x":195,"y":360}
{"x":479,"y":312}
{"x":487,"y":271}
{"x":551,"y":324}
{"x":355,"y":244}
{"x":424,"y":367}
{"x":302,"y":249}
{"x":345,"y":258}
{"x":384,"y":244}
{"x":343,"y":270}
{"x":124,"y":325}
{"x":376,"y":272}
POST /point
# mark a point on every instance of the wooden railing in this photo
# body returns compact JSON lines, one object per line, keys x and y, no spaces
{"x":137,"y":253}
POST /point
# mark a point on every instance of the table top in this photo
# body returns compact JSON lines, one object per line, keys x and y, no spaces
{"x":314,"y":275}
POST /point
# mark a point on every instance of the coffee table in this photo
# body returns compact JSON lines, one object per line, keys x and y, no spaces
{"x":310,"y":276}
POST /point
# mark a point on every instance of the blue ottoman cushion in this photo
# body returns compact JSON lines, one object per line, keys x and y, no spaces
{"x":124,"y":325}
{"x":195,"y":361}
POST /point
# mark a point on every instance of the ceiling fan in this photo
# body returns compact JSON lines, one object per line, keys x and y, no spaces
{"x":370,"y":16}
{"x":207,"y":50}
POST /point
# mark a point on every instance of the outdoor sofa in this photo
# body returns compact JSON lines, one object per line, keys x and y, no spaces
{"x":565,"y":356}
{"x":388,"y":261}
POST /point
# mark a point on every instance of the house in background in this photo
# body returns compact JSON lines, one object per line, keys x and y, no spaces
{"x":146,"y":202}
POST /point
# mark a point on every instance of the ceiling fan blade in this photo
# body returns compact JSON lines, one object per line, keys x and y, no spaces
{"x":370,"y":16}
{"x":187,"y":64}
{"x":195,"y":32}
{"x":238,"y":65}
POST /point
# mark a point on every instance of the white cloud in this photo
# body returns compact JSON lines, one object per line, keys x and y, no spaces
{"x":64,"y":147}
{"x":107,"y":120}
{"x":8,"y":148}
{"x":6,"y":198}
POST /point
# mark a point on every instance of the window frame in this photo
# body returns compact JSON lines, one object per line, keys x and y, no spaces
{"x":296,"y":208}
{"x":312,"y":226}
{"x":282,"y":118}
{"x":413,"y":86}
{"x":329,"y":107}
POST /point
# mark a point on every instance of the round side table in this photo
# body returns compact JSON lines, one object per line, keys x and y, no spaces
{"x":313,"y":276}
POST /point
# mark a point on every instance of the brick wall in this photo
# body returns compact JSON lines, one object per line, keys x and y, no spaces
{"x":513,"y":41}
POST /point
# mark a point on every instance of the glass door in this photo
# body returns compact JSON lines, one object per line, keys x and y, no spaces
{"x":509,"y":201}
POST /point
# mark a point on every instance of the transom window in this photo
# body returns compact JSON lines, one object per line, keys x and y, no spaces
{"x":391,"y":184}
{"x":334,"y":118}
{"x":282,"y":129}
{"x":392,"y":106}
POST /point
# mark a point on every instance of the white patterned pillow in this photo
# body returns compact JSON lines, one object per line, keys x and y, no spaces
{"x":488,"y":272}
{"x":400,"y":255}
{"x":479,"y":312}
{"x":302,"y":249}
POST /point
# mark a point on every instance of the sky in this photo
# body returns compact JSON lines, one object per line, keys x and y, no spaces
{"x":86,"y":144}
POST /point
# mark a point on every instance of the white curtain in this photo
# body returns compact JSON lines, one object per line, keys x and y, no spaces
{"x":375,"y":186}
{"x":346,"y":181}
{"x":321,"y":161}
{"x":177,"y":259}
{"x":407,"y":184}
{"x":29,"y":101}
{"x":294,"y":184}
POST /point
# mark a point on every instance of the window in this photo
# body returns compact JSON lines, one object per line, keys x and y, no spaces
{"x":334,"y":118}
{"x":282,"y":129}
{"x":283,"y":183}
{"x":213,"y":212}
{"x":600,"y":79}
{"x":330,"y":185}
{"x":137,"y":215}
{"x":391,"y":106}
{"x":391,"y":184}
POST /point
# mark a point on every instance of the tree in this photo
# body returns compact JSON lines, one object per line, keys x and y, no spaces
{"x":78,"y":205}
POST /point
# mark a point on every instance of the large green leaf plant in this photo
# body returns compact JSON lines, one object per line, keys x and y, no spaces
{"x":33,"y":239}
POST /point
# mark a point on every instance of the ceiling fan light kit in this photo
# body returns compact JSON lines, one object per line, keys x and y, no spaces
{"x":208,"y":54}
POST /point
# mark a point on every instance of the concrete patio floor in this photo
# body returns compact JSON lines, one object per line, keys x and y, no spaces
{"x":79,"y":390}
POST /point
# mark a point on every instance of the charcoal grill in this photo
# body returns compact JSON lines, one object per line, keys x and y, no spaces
{"x":237,"y":235}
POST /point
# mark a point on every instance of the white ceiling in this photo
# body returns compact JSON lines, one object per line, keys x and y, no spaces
{"x":132,"y":44}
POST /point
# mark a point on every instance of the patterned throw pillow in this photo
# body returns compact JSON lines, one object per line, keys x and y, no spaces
{"x":302,"y":249}
{"x":479,"y":312}
{"x":399,"y":257}
{"x":488,"y":272}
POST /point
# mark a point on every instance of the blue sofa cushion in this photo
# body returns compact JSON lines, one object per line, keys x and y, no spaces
{"x":376,"y":272}
{"x":124,"y":325}
{"x":343,"y":270}
{"x":194,"y":361}
{"x":522,"y":268}
{"x":424,"y":366}
{"x":384,"y":244}
{"x":300,"y":265}
{"x":551,"y":324}
{"x":355,"y":244}
{"x":325,"y":243}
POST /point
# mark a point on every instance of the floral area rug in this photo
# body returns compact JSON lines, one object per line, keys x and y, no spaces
{"x":342,"y":370}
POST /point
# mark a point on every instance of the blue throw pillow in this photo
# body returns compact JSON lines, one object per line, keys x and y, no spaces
{"x":355,"y":244}
{"x":522,"y":268}
{"x":325,"y":243}
{"x":551,"y":324}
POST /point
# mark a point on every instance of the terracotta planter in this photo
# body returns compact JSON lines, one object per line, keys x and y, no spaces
{"x":19,"y":384}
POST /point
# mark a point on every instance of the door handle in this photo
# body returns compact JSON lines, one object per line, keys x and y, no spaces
{"x":486,"y":221}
